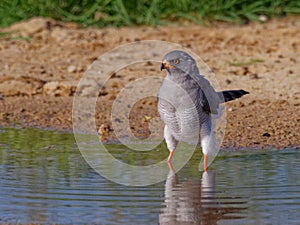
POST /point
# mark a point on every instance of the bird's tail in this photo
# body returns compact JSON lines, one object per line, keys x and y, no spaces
{"x":232,"y":94}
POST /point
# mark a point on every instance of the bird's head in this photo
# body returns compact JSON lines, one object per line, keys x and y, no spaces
{"x":178,"y":62}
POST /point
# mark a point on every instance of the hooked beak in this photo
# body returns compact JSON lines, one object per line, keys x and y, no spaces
{"x":165,"y":65}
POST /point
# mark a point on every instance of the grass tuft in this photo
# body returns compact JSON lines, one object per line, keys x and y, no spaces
{"x":246,"y":63}
{"x":144,"y":12}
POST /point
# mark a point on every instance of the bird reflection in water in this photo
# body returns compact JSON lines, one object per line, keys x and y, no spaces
{"x":196,"y":201}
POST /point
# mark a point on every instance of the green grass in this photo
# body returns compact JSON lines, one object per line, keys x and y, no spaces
{"x":144,"y":12}
{"x":246,"y":63}
{"x":10,"y":36}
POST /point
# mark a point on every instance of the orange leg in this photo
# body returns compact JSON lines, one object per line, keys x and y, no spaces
{"x":205,"y":163}
{"x":170,"y":167}
{"x":170,"y":156}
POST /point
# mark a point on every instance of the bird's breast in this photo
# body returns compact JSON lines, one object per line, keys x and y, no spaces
{"x":180,"y":109}
{"x":183,"y":123}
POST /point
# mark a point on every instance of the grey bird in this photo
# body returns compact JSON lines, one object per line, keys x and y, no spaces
{"x":186,"y":102}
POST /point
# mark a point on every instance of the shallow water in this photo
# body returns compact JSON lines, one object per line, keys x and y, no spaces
{"x":44,"y":179}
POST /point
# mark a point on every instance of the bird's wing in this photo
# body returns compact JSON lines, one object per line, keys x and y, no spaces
{"x":209,"y":99}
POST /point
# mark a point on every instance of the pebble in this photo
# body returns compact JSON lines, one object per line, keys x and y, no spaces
{"x":56,"y":88}
{"x":72,"y":69}
{"x":263,"y":18}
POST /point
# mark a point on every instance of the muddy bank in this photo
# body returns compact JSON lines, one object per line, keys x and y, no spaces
{"x":42,"y":61}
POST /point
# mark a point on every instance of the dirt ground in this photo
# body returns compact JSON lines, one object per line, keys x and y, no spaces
{"x":42,"y":61}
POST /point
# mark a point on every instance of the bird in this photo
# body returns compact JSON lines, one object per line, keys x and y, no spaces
{"x":187,"y":99}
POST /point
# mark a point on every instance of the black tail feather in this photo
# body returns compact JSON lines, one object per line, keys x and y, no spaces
{"x":232,"y":94}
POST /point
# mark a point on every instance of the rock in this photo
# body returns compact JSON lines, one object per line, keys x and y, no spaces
{"x":263,"y":18}
{"x":33,"y":26}
{"x":72,"y":69}
{"x":89,"y":88}
{"x":88,"y":91}
{"x":104,"y":131}
{"x":56,"y":88}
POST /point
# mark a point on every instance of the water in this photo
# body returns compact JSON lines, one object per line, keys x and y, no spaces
{"x":44,"y":179}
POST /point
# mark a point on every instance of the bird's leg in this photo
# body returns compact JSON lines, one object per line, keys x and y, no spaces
{"x":170,"y":156}
{"x":205,"y":163}
{"x":171,"y":143}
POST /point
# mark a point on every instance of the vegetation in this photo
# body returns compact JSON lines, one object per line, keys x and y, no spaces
{"x":150,"y":12}
{"x":246,"y":63}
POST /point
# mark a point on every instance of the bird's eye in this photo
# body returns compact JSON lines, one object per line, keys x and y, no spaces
{"x":176,"y":61}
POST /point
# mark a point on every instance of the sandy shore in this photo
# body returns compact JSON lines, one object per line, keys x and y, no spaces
{"x":42,"y":61}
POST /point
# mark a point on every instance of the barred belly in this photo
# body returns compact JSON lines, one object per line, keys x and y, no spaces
{"x":184,"y":124}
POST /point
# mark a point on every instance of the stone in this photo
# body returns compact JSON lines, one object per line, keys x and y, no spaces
{"x":72,"y":69}
{"x":56,"y":88}
{"x":33,"y":26}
